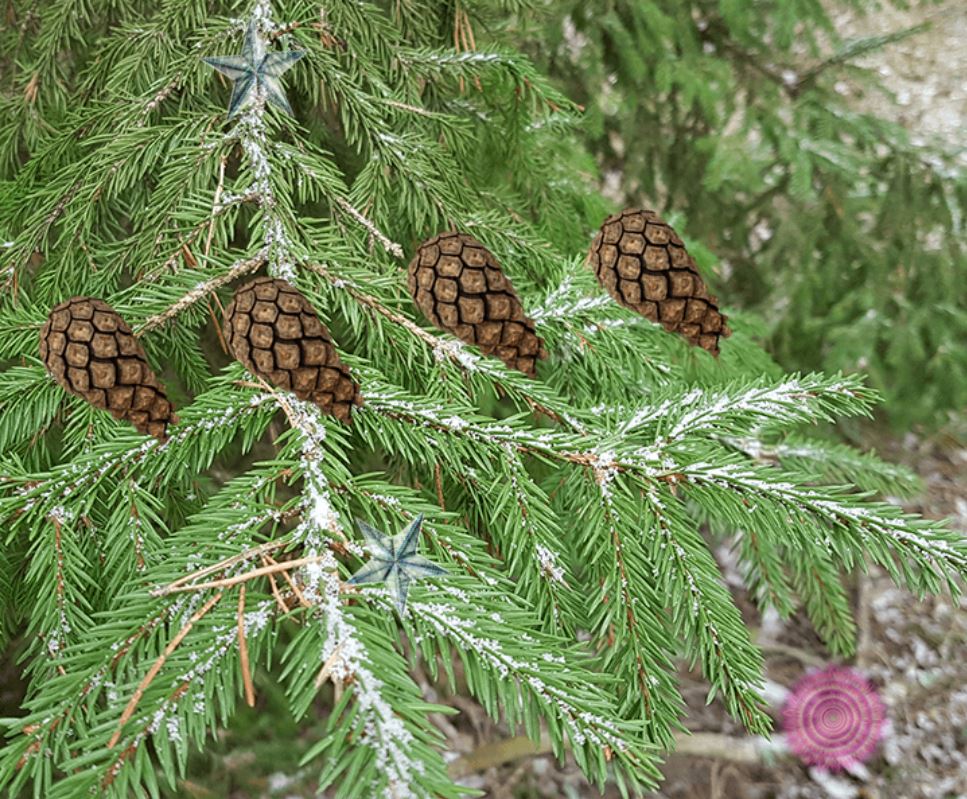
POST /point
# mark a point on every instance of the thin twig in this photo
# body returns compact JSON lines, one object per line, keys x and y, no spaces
{"x":218,"y":328}
{"x":437,"y":345}
{"x":157,"y":100}
{"x":275,"y":590}
{"x":438,"y":478}
{"x":203,"y":290}
{"x":295,"y":589}
{"x":227,"y":582}
{"x":390,"y":246}
{"x":326,"y":669}
{"x":697,"y":744}
{"x":216,"y":200}
{"x":411,"y":108}
{"x":248,"y":554}
{"x":243,"y":650}
{"x":371,"y":302}
{"x":864,"y":622}
{"x":156,"y":667}
{"x":784,"y":650}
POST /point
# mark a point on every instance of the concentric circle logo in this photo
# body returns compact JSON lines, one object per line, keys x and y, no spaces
{"x":833,"y":718}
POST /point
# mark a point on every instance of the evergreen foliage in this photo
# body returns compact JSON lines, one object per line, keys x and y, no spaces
{"x":573,"y":513}
{"x":841,"y":229}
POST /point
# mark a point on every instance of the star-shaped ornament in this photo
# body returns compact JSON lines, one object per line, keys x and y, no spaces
{"x":256,"y":72}
{"x":395,"y":561}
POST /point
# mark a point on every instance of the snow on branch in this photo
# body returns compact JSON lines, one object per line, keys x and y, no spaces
{"x":547,"y":559}
{"x":564,"y":302}
{"x":390,"y":246}
{"x":732,"y":655}
{"x":571,"y":448}
{"x":250,"y":131}
{"x":796,"y":400}
{"x":179,"y":612}
{"x":189,"y":686}
{"x":344,"y":655}
{"x":65,"y":482}
{"x":925,"y":540}
{"x":204,"y":289}
{"x":453,"y":351}
{"x":583,"y":726}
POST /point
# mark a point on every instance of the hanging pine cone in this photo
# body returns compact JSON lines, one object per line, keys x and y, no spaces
{"x":90,"y":351}
{"x":644,"y":265}
{"x":460,"y":287}
{"x":274,"y":332}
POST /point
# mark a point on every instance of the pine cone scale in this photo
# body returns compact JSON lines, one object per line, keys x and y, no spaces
{"x":274,"y":332}
{"x":460,"y":288}
{"x":91,"y":352}
{"x":643,"y":264}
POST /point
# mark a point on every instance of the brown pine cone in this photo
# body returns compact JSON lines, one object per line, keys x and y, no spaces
{"x":274,"y":332}
{"x":644,"y":265}
{"x":90,"y":351}
{"x":460,"y":287}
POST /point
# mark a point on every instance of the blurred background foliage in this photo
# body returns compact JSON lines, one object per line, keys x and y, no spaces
{"x":738,"y":121}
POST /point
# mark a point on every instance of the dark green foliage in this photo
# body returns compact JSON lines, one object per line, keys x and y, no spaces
{"x":841,"y":229}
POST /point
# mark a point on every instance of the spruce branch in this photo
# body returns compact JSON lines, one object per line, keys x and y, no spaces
{"x":390,"y":246}
{"x":203,"y":291}
{"x":580,"y":501}
{"x":451,"y":350}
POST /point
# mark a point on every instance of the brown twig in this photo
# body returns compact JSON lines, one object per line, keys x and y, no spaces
{"x":438,"y":479}
{"x":326,"y":669}
{"x":248,"y":554}
{"x":783,"y":650}
{"x":157,"y":100}
{"x":243,"y":650}
{"x":697,"y":744}
{"x":284,"y":30}
{"x":227,"y":582}
{"x":218,"y":328}
{"x":215,"y":203}
{"x":864,"y":621}
{"x":203,"y":290}
{"x":292,"y":586}
{"x":275,"y":590}
{"x":156,"y":667}
{"x":433,"y":342}
{"x":388,"y":244}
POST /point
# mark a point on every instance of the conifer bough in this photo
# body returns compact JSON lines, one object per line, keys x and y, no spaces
{"x":459,"y":285}
{"x":644,"y":265}
{"x":92,"y":352}
{"x":274,"y":332}
{"x":147,"y":585}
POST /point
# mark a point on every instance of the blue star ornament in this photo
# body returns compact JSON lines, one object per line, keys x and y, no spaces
{"x":255,"y":72}
{"x":394,"y":561}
